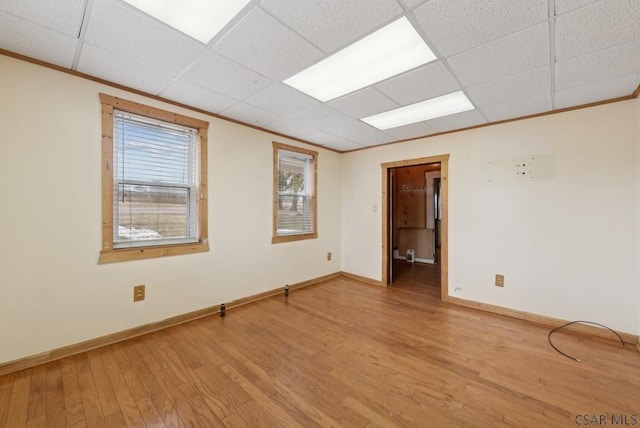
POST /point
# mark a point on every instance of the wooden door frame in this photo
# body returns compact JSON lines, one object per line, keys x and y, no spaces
{"x":444,"y":221}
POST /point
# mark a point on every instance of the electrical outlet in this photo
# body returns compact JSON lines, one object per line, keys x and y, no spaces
{"x":329,"y":256}
{"x":499,"y":280}
{"x":138,"y":293}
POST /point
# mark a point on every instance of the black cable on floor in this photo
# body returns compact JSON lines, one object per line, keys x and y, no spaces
{"x":576,"y":322}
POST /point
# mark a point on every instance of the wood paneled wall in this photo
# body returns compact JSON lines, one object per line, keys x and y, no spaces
{"x":410,"y":206}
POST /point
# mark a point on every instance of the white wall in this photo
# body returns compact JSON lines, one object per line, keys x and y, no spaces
{"x":567,"y":243}
{"x":564,"y":240}
{"x":53,"y":292}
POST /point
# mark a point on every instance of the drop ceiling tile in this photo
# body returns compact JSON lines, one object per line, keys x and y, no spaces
{"x":252,"y":115}
{"x":335,"y":123}
{"x":294,"y":129}
{"x":222,"y":75}
{"x":333,"y":24}
{"x":25,"y":38}
{"x":519,"y":108}
{"x":428,"y":81}
{"x":312,"y":135}
{"x":332,"y":141}
{"x":604,"y":90}
{"x":385,"y":140}
{"x":598,"y":26}
{"x":63,"y":16}
{"x":414,"y":130}
{"x":511,"y":88}
{"x":109,"y":66}
{"x":264,"y":45}
{"x":457,"y":121}
{"x":342,"y":145}
{"x":322,"y":117}
{"x":455,"y":26}
{"x":606,"y":64}
{"x":363,"y":103}
{"x":516,"y":53}
{"x":119,"y":28}
{"x":283,"y":100}
{"x":564,"y":6}
{"x":412,"y":3}
{"x":361,"y":133}
{"x":197,"y":96}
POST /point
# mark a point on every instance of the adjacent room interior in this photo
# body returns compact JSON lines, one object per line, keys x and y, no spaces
{"x":241,"y":226}
{"x":414,"y":207}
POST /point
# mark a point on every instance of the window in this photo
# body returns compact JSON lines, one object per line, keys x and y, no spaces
{"x":294,"y":193}
{"x":153,"y":182}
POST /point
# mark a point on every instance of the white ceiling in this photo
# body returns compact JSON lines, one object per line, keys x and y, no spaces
{"x":511,"y":57}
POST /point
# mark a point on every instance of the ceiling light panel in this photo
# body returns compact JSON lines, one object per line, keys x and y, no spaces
{"x":445,"y":105}
{"x":200,"y":19}
{"x":387,"y":52}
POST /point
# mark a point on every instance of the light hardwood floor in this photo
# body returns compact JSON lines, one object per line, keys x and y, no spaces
{"x":417,"y":277}
{"x":337,"y":354}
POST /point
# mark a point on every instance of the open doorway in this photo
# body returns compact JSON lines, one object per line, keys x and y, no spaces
{"x":414,"y":228}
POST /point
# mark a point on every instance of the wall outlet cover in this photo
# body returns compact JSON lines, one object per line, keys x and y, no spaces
{"x":138,"y":293}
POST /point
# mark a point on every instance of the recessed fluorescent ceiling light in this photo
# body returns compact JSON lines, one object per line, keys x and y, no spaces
{"x":385,"y":53}
{"x":200,"y":19}
{"x":455,"y":102}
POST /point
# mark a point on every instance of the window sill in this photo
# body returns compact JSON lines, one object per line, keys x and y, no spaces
{"x":290,"y":238}
{"x":127,"y":254}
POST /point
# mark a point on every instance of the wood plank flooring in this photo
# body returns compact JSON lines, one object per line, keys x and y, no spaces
{"x":339,"y":354}
{"x":417,"y":277}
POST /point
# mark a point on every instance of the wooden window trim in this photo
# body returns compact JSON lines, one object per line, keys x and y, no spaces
{"x":313,"y":199}
{"x":109,"y":254}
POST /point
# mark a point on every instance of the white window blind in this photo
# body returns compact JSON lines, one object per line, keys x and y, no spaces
{"x":294,"y":212}
{"x":155,"y":174}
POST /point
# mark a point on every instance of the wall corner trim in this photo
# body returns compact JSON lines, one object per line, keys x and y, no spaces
{"x":99,"y":342}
